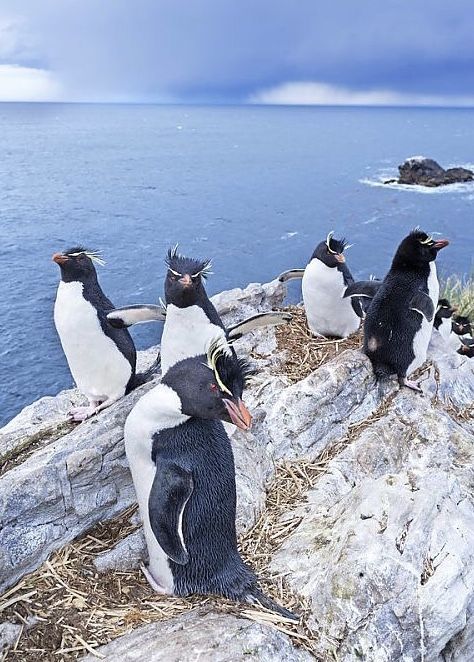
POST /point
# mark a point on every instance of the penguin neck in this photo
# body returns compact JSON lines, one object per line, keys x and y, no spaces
{"x":160,"y":409}
{"x":89,"y":281}
{"x":402,"y":263}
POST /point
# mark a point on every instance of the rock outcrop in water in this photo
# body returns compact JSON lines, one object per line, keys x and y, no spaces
{"x":378,"y":539}
{"x":426,"y":172}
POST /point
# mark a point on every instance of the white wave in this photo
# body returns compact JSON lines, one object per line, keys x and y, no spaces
{"x":461,"y":187}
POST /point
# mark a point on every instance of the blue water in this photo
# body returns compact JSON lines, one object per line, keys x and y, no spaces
{"x":252,"y":187}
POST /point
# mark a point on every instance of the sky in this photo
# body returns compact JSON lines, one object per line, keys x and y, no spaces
{"x":365,"y":52}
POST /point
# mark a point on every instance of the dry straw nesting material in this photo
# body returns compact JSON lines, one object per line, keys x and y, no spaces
{"x":76,"y":609}
{"x":304,"y":352}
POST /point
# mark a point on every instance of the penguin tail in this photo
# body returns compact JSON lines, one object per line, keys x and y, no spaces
{"x":255,"y":596}
{"x":382,"y":372}
{"x":143,"y":377}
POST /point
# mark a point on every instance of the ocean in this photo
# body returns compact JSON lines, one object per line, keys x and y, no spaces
{"x":254,"y":188}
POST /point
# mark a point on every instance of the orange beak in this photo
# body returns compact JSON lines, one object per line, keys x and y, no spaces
{"x":186,"y":280}
{"x":239,"y":414}
{"x":441,"y":243}
{"x":59,"y":258}
{"x":340,"y":258}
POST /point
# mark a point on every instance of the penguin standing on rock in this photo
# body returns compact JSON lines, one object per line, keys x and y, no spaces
{"x":183,"y":471}
{"x":324,"y":281}
{"x":102,"y":359}
{"x":191,"y":321}
{"x":399,"y":321}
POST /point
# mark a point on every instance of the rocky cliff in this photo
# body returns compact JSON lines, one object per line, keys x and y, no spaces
{"x":355,"y":506}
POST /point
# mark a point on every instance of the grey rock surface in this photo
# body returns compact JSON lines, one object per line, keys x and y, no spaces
{"x":198,"y":637}
{"x":9,"y":633}
{"x":385,"y":549}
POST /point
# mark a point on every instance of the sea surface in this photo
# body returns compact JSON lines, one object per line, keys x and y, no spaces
{"x":254,"y":188}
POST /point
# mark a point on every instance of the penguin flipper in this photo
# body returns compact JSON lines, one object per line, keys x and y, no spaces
{"x":291,"y":274}
{"x":169,"y":494}
{"x":121,"y":318}
{"x":363,"y":288}
{"x":421,"y":303}
{"x":256,"y":322}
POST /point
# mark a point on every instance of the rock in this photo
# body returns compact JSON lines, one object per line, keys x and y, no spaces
{"x":307,"y":417}
{"x":126,"y":555}
{"x":9,"y":633}
{"x":385,"y":548}
{"x":198,"y":636}
{"x":427,"y":172}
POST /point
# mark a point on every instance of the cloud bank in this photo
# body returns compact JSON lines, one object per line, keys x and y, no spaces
{"x":228,"y":51}
{"x":322,"y":94}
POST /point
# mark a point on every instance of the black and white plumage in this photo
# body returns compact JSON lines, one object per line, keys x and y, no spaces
{"x":466,"y":347}
{"x":443,"y":318}
{"x":325,"y":279}
{"x":191,"y":320}
{"x":399,"y":321}
{"x":102,"y":359}
{"x":183,"y":471}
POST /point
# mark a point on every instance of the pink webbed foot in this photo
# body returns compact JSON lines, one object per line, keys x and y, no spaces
{"x":415,"y":386}
{"x":79,"y":414}
{"x":156,"y":586}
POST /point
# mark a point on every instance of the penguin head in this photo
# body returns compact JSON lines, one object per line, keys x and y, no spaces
{"x":461,"y":325}
{"x":211,"y":386}
{"x":184,"y":279}
{"x":445,"y":310}
{"x":77,"y":264}
{"x":417,"y":249}
{"x":331,"y":251}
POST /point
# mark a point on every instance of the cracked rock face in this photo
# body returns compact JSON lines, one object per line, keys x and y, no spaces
{"x":385,"y":549}
{"x":194,"y":636}
{"x":382,"y":544}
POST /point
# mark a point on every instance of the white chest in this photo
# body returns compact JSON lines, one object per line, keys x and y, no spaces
{"x":99,"y":369}
{"x":327,"y":312}
{"x":423,"y":335}
{"x":187,"y":332}
{"x":445,"y":327}
{"x":154,"y":411}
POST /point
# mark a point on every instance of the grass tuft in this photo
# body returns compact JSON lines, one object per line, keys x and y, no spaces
{"x":460,"y":292}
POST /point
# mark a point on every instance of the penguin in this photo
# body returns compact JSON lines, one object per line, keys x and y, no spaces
{"x":443,"y":318}
{"x":467,"y":347}
{"x":325,"y":279}
{"x":399,"y":321}
{"x":460,"y":329}
{"x":183,"y":471}
{"x":191,"y":321}
{"x":102,"y":360}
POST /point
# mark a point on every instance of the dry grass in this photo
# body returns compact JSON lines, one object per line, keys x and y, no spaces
{"x":460,"y":292}
{"x":77,"y":609}
{"x":304,"y":352}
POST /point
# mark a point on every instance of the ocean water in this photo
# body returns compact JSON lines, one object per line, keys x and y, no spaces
{"x":254,"y":188}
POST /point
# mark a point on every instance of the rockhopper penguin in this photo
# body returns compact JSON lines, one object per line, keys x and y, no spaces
{"x":399,"y":321}
{"x":191,"y":321}
{"x":102,"y":359}
{"x":443,"y":318}
{"x":324,"y":281}
{"x":183,"y":471}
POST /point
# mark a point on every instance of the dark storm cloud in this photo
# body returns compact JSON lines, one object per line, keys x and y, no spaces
{"x":228,"y":50}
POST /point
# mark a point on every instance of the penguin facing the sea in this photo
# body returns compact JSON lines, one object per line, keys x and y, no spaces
{"x":183,"y":471}
{"x":399,"y":321}
{"x":325,"y":279}
{"x":102,"y":359}
{"x":191,"y":320}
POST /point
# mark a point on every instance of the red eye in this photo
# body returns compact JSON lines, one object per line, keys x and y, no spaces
{"x":213,"y":387}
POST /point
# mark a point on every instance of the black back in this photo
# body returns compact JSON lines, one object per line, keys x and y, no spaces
{"x":390,"y":325}
{"x":202,"y":448}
